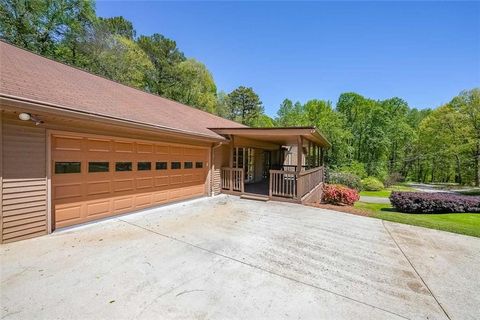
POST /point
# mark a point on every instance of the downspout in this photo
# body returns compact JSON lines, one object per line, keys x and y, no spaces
{"x":215,"y":146}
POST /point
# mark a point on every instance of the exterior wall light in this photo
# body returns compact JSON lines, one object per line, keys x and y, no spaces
{"x":24,"y":116}
{"x":27,"y":116}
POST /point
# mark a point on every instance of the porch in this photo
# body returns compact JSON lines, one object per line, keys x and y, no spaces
{"x":283,"y":164}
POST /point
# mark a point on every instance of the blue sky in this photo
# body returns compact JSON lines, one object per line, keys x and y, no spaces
{"x":423,"y":52}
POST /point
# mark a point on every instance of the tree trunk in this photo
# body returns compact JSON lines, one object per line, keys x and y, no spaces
{"x":459,"y":171}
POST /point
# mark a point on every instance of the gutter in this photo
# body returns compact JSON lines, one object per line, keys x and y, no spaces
{"x":55,"y":107}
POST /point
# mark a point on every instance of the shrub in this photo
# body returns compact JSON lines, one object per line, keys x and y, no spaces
{"x":339,"y":195}
{"x":346,"y":179}
{"x":393,"y":178}
{"x":372,"y":184}
{"x":423,"y":202}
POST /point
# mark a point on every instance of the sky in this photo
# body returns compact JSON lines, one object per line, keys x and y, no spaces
{"x":423,"y":52}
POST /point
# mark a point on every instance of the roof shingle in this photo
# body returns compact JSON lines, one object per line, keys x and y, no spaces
{"x":29,"y":76}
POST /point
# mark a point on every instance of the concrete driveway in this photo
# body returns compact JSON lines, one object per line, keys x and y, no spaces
{"x":227,"y":258}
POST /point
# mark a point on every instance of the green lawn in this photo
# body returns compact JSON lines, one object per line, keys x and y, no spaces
{"x":385,"y":193}
{"x":463,"y":223}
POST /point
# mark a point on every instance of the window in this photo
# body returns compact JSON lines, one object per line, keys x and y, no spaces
{"x":161,"y":166}
{"x":123,"y":166}
{"x":188,"y":165}
{"x":67,"y":167}
{"x":199,"y":165}
{"x":176,"y":165}
{"x":144,"y":166}
{"x":98,"y":166}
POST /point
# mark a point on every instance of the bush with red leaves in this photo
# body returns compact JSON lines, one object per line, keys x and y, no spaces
{"x":422,"y":202}
{"x":339,"y":195}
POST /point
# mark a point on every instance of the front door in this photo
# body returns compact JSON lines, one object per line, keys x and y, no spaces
{"x":245,"y":158}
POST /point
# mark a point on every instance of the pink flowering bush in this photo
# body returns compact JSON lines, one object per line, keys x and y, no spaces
{"x":339,"y":195}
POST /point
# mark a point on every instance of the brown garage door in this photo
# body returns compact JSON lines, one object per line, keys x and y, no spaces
{"x":95,"y":177}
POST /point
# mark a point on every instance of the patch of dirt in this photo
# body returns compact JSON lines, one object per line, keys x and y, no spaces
{"x":346,"y":209}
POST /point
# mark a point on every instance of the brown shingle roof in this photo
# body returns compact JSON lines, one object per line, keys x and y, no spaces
{"x":29,"y":76}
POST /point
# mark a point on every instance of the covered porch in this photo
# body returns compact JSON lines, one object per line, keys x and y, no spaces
{"x":285,"y":164}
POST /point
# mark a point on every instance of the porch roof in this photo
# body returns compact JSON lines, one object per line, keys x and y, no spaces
{"x":278,"y":135}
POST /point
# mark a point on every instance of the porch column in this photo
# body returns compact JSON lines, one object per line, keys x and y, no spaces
{"x":322,"y":156}
{"x":299,"y":153}
{"x":231,"y":162}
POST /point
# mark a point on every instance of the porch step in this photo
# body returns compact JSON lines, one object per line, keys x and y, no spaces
{"x":251,"y":196}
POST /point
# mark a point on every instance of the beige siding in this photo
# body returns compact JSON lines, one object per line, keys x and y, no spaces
{"x":220,"y":159}
{"x":24,"y":187}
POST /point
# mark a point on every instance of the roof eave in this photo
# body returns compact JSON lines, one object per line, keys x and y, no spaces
{"x":114,"y":120}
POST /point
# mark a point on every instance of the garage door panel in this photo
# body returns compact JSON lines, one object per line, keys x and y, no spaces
{"x":124,"y":147}
{"x":98,"y":208}
{"x":67,"y":143}
{"x":63,"y":191}
{"x":97,"y":145}
{"x":175,"y":179}
{"x":123,"y":204}
{"x":84,"y":196}
{"x":143,"y":200}
{"x":123,"y":185}
{"x":163,"y":150}
{"x":160,"y":197}
{"x":142,"y":183}
{"x":144,"y":148}
{"x":161,"y":181}
{"x":98,"y":188}
{"x":68,"y":212}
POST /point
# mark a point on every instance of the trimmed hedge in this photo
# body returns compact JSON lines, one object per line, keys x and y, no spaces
{"x":339,"y":195}
{"x":423,"y":202}
{"x":347,"y":179}
{"x":372,"y":184}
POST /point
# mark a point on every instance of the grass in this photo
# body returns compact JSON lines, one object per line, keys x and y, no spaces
{"x":385,"y":193}
{"x":463,"y":223}
{"x":472,"y":192}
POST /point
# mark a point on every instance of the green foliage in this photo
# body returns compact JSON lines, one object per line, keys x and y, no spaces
{"x":344,"y":178}
{"x":40,"y":26}
{"x":355,"y":167}
{"x":372,"y":184}
{"x":245,"y":105}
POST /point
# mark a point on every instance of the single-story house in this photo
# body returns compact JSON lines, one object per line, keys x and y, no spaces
{"x":76,"y":147}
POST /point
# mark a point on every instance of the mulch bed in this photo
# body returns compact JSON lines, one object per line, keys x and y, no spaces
{"x":346,"y":209}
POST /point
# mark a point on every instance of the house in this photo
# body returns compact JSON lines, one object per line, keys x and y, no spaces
{"x":76,"y":147}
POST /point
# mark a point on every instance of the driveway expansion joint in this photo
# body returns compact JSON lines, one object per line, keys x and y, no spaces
{"x":414,"y":269}
{"x":265,"y":270}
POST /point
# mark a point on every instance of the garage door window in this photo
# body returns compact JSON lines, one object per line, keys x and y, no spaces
{"x":161,"y":166}
{"x":67,"y":167}
{"x":199,"y":165}
{"x":123,"y":166}
{"x":141,"y":166}
{"x":188,"y":165}
{"x":176,"y":165}
{"x":98,"y":166}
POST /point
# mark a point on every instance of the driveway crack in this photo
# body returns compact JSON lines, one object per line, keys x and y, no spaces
{"x":265,"y":270}
{"x":414,"y":269}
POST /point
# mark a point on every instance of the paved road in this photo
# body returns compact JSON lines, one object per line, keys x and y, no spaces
{"x":223,"y":257}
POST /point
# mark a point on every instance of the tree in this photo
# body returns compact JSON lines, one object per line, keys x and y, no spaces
{"x":245,"y":105}
{"x":195,"y":86}
{"x":165,"y":56}
{"x":40,"y":26}
{"x":118,"y":26}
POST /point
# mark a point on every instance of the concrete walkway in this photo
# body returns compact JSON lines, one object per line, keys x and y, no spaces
{"x":374,"y":199}
{"x":227,"y":258}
